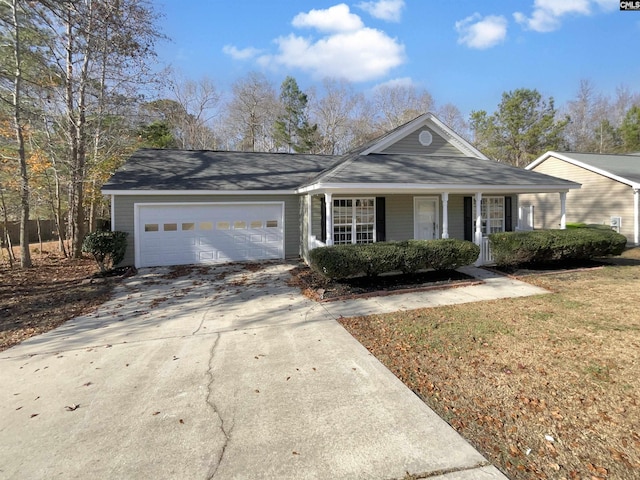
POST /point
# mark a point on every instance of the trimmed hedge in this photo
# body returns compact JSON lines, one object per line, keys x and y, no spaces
{"x":107,"y":248}
{"x":343,"y":261}
{"x":547,"y":246}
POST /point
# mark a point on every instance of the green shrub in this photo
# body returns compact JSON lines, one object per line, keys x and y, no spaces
{"x":107,"y":248}
{"x":449,"y":254}
{"x":343,"y":261}
{"x":547,"y":246}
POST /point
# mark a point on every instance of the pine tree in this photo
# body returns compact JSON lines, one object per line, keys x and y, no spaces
{"x":292,"y":129}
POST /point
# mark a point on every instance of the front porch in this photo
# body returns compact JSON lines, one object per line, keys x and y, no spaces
{"x":337,"y":218}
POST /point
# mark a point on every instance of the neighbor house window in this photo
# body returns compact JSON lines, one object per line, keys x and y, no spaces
{"x":492,"y":214}
{"x":353,"y":220}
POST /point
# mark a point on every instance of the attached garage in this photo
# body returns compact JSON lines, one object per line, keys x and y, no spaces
{"x":209,"y":233}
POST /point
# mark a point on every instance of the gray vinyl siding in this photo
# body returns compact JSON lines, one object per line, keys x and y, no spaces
{"x":124,"y":215}
{"x":399,"y":216}
{"x":411,"y":145}
{"x":596,"y":202}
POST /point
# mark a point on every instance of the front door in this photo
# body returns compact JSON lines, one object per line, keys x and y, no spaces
{"x":425,"y":218}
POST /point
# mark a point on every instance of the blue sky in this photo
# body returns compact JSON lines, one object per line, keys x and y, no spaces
{"x":465,"y":52}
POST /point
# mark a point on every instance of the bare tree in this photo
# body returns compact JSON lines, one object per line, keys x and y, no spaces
{"x":399,"y":104}
{"x":16,"y":14}
{"x":99,"y":49}
{"x":251,"y":113}
{"x":193,"y":118}
{"x":334,"y":112}
{"x":453,"y":118}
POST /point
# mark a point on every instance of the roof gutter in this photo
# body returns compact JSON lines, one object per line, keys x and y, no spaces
{"x":433,"y":188}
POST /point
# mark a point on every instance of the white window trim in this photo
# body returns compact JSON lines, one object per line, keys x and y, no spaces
{"x":353,"y":223}
{"x":485,"y":215}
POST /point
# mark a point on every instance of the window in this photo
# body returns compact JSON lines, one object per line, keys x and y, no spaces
{"x":170,"y":227}
{"x":150,"y":227}
{"x":188,"y":226}
{"x":239,"y":225}
{"x":492,"y":214}
{"x":223,"y":225}
{"x":353,"y":220}
{"x":272,"y":224}
{"x":256,"y":224}
{"x":206,"y":226}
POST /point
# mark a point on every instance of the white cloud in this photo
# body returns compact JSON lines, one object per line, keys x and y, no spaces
{"x":389,"y":10}
{"x":396,"y":82}
{"x":357,"y":56}
{"x":342,"y":47}
{"x":481,"y":32}
{"x":334,"y":19}
{"x":240,"y":54}
{"x":547,"y":14}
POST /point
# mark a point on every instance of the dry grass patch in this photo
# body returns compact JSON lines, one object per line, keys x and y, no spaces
{"x":545,"y":387}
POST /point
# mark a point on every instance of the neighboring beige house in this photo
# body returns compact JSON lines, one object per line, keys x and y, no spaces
{"x":609,"y":194}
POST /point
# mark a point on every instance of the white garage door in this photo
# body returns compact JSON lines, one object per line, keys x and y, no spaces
{"x":180,"y":234}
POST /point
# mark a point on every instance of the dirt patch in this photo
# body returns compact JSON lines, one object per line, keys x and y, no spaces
{"x":546,"y":387}
{"x":54,"y":290}
{"x":316,"y":287}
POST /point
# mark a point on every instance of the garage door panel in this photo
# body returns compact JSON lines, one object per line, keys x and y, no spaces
{"x":172,"y":234}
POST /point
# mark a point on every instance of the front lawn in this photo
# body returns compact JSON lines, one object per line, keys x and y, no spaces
{"x":544,"y":387}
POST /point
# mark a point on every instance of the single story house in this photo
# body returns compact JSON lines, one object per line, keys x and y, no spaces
{"x":610,"y":193}
{"x":421,"y":180}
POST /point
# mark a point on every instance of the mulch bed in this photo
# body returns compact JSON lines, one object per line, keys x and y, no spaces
{"x":549,"y":268}
{"x":315,"y":286}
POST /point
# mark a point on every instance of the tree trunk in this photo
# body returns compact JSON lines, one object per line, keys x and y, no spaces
{"x":25,"y":255}
{"x":5,"y":224}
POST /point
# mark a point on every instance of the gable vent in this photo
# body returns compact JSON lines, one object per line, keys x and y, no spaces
{"x":425,"y":138}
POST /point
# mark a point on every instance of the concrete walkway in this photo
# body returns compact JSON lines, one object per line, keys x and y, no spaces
{"x":494,"y":287}
{"x":225,"y":374}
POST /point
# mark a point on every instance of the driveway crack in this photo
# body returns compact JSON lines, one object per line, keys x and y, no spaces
{"x":224,"y":427}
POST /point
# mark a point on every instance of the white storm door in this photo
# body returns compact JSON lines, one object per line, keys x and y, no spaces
{"x":425,"y":218}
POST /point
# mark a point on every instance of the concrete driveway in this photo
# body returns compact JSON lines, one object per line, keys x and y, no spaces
{"x":222,"y":373}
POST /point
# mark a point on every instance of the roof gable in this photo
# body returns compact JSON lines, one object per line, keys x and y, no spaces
{"x":622,"y":168}
{"x":437,"y":139}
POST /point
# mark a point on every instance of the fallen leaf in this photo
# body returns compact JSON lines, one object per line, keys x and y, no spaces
{"x":155,"y":413}
{"x":72,"y":407}
{"x":34,"y":415}
{"x":182,"y":421}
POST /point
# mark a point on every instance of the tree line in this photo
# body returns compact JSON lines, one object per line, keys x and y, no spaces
{"x":79,"y":94}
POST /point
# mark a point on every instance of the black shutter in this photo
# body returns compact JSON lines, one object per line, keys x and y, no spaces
{"x":508,"y":214}
{"x":323,"y":219}
{"x":381,"y":220}
{"x":468,"y":219}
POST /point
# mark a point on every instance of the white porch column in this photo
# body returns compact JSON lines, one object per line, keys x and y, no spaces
{"x":563,"y":210}
{"x":309,"y":222}
{"x":113,"y":213}
{"x":636,"y":216}
{"x":328,"y":205}
{"x":445,"y":215}
{"x":478,"y":236}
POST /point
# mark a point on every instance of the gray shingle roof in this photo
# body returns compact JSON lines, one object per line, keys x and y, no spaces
{"x":416,"y":169}
{"x":625,"y":166}
{"x":153,"y":169}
